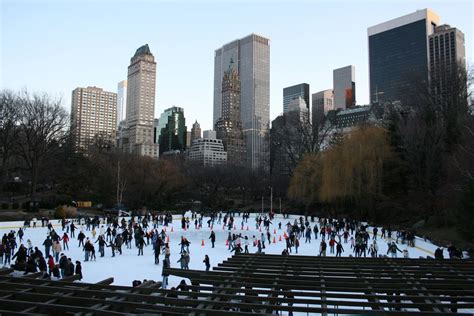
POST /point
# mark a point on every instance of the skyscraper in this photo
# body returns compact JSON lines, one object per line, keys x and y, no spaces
{"x":121,"y":101}
{"x":447,"y":53}
{"x":195,"y":132}
{"x":93,"y":114}
{"x":321,"y":103}
{"x":141,"y":103}
{"x":208,"y":151}
{"x":172,"y":130}
{"x":299,"y":90}
{"x":398,"y":54}
{"x":229,"y":127}
{"x":344,"y":87}
{"x":299,"y":107}
{"x":251,"y":55}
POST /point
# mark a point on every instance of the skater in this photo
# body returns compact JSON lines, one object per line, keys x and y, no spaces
{"x":69,"y":269}
{"x":206,"y":262}
{"x":65,"y":240}
{"x":48,"y":243}
{"x":81,"y":238}
{"x":405,"y":254}
{"x":102,"y":244}
{"x":184,"y":261}
{"x":392,"y":249}
{"x":56,"y":250}
{"x":212,"y":237}
{"x":157,"y":254}
{"x":297,"y":244}
{"x":79,"y":270}
{"x":439,"y":253}
{"x":166,"y":265}
{"x":339,"y":249}
{"x":322,"y":248}
{"x":112,"y":247}
{"x":246,"y":242}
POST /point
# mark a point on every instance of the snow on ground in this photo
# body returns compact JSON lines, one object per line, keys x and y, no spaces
{"x":128,"y":267}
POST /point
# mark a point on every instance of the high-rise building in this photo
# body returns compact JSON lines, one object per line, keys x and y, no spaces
{"x":208,"y":151}
{"x":298,"y":107}
{"x":195,"y":131}
{"x":121,"y":101}
{"x":251,"y":55}
{"x":398,"y":54}
{"x":209,"y":134}
{"x":188,"y":140}
{"x":299,"y":90}
{"x":93,"y":114}
{"x":344,"y":87}
{"x":141,"y":103}
{"x":229,"y":127}
{"x":321,"y":103}
{"x":447,"y":56}
{"x":172,"y":130}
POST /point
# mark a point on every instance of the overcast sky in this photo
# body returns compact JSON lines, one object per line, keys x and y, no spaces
{"x":56,"y":46}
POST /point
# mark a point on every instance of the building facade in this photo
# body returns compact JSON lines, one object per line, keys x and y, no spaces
{"x":299,"y":90}
{"x":195,"y":132}
{"x":121,"y":101}
{"x":447,"y":54}
{"x":172,"y":131}
{"x":299,"y":106}
{"x":209,"y":134}
{"x":344,"y":87}
{"x":229,"y":127}
{"x":141,"y":84}
{"x":321,"y":103}
{"x":208,"y":151}
{"x":251,"y":55}
{"x":398,"y":54}
{"x":93,"y":114}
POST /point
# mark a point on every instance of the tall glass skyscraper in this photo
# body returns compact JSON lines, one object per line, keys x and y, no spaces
{"x":172,"y":130}
{"x":344,"y":87}
{"x":398,"y":54}
{"x":121,"y":101}
{"x":251,"y":56}
{"x":293,"y":92}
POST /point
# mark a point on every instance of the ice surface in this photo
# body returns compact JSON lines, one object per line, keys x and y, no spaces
{"x":128,"y":267}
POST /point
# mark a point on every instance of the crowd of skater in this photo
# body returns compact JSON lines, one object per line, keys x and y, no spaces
{"x":95,"y":235}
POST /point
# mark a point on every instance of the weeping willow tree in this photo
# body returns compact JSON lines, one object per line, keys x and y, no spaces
{"x":350,"y":172}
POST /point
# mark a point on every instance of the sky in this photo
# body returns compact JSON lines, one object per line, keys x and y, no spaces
{"x":55,"y":46}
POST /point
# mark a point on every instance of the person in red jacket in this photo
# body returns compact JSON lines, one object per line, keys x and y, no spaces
{"x":65,"y":240}
{"x":51,"y":264}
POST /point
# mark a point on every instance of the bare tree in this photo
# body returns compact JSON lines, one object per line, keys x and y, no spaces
{"x":8,"y":132}
{"x":295,"y":135}
{"x":42,"y":132}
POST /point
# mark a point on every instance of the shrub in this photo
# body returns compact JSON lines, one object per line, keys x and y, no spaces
{"x":59,"y":212}
{"x":15,"y":206}
{"x":70,"y":211}
{"x":5,"y":206}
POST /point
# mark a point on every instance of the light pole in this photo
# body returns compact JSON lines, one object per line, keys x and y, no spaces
{"x":271,"y":199}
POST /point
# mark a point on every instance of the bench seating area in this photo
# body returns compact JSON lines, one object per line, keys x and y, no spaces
{"x":249,"y":284}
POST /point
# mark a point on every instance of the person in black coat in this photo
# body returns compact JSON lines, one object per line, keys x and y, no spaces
{"x":62,"y":265}
{"x":166,"y":264}
{"x":206,"y":262}
{"x":30,"y":266}
{"x":439,"y":253}
{"x":79,"y":269}
{"x":212,"y":238}
{"x":69,"y":270}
